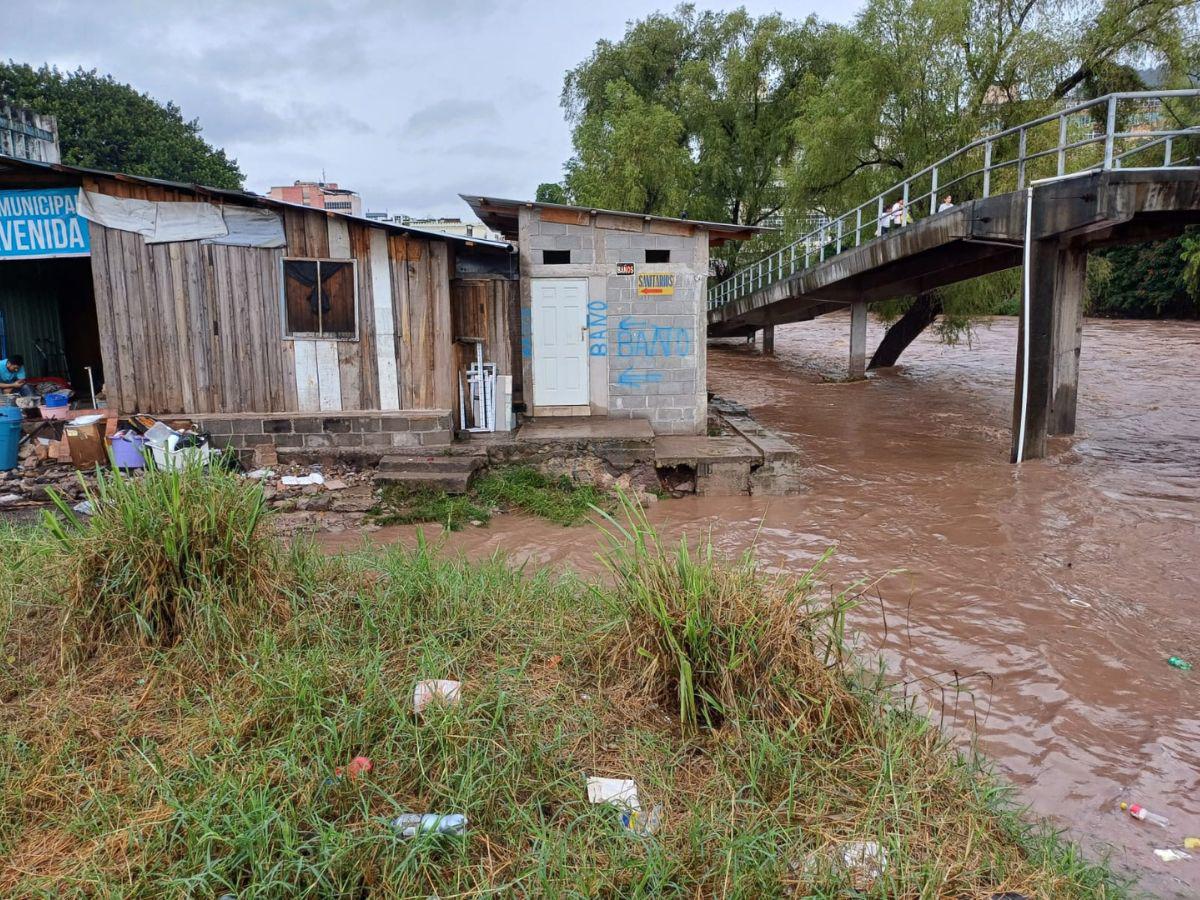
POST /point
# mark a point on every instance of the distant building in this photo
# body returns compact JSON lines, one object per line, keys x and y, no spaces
{"x":319,"y":195}
{"x":442,"y":225}
{"x":25,"y":134}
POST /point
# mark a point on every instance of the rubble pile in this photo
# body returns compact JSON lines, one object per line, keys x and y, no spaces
{"x":326,"y":497}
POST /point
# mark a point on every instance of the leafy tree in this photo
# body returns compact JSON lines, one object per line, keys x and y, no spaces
{"x":1152,"y":280}
{"x":913,"y":81}
{"x":104,"y":124}
{"x":551,"y":192}
{"x":690,"y":114}
{"x":631,"y":155}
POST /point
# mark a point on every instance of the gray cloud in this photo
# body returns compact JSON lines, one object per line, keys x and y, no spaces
{"x":453,"y":113}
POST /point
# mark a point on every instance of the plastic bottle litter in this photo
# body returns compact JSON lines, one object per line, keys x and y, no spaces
{"x":1171,"y":855}
{"x":411,"y":824}
{"x":1192,"y":843}
{"x":1144,"y":815}
{"x":1178,"y":662}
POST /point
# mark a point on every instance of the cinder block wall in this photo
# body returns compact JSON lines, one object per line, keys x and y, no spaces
{"x":646,"y":353}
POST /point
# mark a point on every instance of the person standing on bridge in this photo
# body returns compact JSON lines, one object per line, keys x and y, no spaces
{"x":900,"y":216}
{"x":946,"y":203}
{"x":885,"y":221}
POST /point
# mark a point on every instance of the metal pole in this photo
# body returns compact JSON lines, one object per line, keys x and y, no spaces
{"x":1021,"y":159}
{"x":1167,"y":153}
{"x":793,"y":261}
{"x":933,"y":192}
{"x":987,"y":169}
{"x":858,"y":226}
{"x":879,"y":215}
{"x":839,"y":235}
{"x":1062,"y":145}
{"x":1110,"y":132}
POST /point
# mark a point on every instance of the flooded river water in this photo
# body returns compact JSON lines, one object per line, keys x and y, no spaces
{"x":1056,"y":590}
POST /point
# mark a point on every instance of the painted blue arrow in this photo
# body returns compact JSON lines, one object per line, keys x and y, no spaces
{"x":630,"y":378}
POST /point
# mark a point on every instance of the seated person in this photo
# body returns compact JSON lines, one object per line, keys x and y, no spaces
{"x":12,"y":376}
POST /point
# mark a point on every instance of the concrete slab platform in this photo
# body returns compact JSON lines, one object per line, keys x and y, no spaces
{"x":697,"y":449}
{"x":584,"y":428}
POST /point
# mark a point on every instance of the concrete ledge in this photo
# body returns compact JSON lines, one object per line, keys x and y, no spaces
{"x":592,"y":428}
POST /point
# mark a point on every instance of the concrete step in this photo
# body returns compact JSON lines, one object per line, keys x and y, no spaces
{"x":415,"y":479}
{"x":430,"y":462}
{"x":429,"y":471}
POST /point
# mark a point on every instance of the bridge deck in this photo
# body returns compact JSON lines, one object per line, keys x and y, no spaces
{"x":974,"y":238}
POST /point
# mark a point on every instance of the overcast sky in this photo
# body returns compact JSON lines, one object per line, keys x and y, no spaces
{"x":408,"y":103}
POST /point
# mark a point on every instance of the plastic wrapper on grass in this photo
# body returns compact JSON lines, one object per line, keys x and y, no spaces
{"x":167,"y":555}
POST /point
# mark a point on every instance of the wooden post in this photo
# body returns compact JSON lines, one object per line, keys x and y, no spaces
{"x":768,"y":340}
{"x":1056,"y":280}
{"x":858,"y":340}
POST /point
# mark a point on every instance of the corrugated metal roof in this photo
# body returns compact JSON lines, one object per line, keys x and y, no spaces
{"x":491,"y":211}
{"x":250,"y":199}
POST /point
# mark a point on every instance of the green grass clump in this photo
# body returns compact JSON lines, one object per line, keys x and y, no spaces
{"x":148,"y":772}
{"x":404,"y":506}
{"x":513,"y":488}
{"x":526,"y":489}
{"x":165,"y":554}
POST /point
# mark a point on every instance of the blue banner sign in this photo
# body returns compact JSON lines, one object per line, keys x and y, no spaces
{"x":40,"y":224}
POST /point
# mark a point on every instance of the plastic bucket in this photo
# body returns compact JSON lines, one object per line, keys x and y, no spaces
{"x":10,"y":436}
{"x":55,"y":400}
{"x":127,"y":450}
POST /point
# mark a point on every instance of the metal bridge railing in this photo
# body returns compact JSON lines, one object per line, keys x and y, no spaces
{"x":1133,"y":130}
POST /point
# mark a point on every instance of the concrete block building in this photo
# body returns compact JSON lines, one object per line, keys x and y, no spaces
{"x":612,"y":310}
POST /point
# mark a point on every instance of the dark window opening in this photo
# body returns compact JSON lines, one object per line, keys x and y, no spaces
{"x":318,"y":298}
{"x":556,"y":257}
{"x":658,"y":256}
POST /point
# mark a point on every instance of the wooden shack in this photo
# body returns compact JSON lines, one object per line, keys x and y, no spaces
{"x":270,"y":322}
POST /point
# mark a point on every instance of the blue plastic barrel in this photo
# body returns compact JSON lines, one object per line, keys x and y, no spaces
{"x":10,"y":436}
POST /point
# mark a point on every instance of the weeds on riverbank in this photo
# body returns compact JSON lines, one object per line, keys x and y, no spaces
{"x":509,"y":489}
{"x":162,"y":555}
{"x":146,"y":772}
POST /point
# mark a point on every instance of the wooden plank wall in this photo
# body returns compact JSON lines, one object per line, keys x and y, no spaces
{"x":184,"y":327}
{"x":421,"y":305}
{"x":484,"y":308}
{"x":191,"y":327}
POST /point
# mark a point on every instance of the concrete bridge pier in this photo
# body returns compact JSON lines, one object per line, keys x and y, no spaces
{"x":768,"y":340}
{"x":858,"y":340}
{"x":1057,"y":281}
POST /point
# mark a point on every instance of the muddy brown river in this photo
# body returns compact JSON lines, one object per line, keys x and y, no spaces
{"x":1055,"y":590}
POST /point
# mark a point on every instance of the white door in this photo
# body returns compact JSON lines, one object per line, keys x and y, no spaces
{"x":560,"y":355}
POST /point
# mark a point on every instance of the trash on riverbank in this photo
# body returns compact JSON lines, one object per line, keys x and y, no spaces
{"x":1192,"y":843}
{"x":864,"y":862}
{"x":643,"y":824}
{"x":360,"y":765}
{"x":410,"y":825}
{"x":1144,"y":815}
{"x":439,"y":690}
{"x":619,"y":792}
{"x":1176,"y":662}
{"x":297,"y":480}
{"x":1171,"y":855}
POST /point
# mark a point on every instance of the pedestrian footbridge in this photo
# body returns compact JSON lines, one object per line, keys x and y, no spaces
{"x":1118,"y":169}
